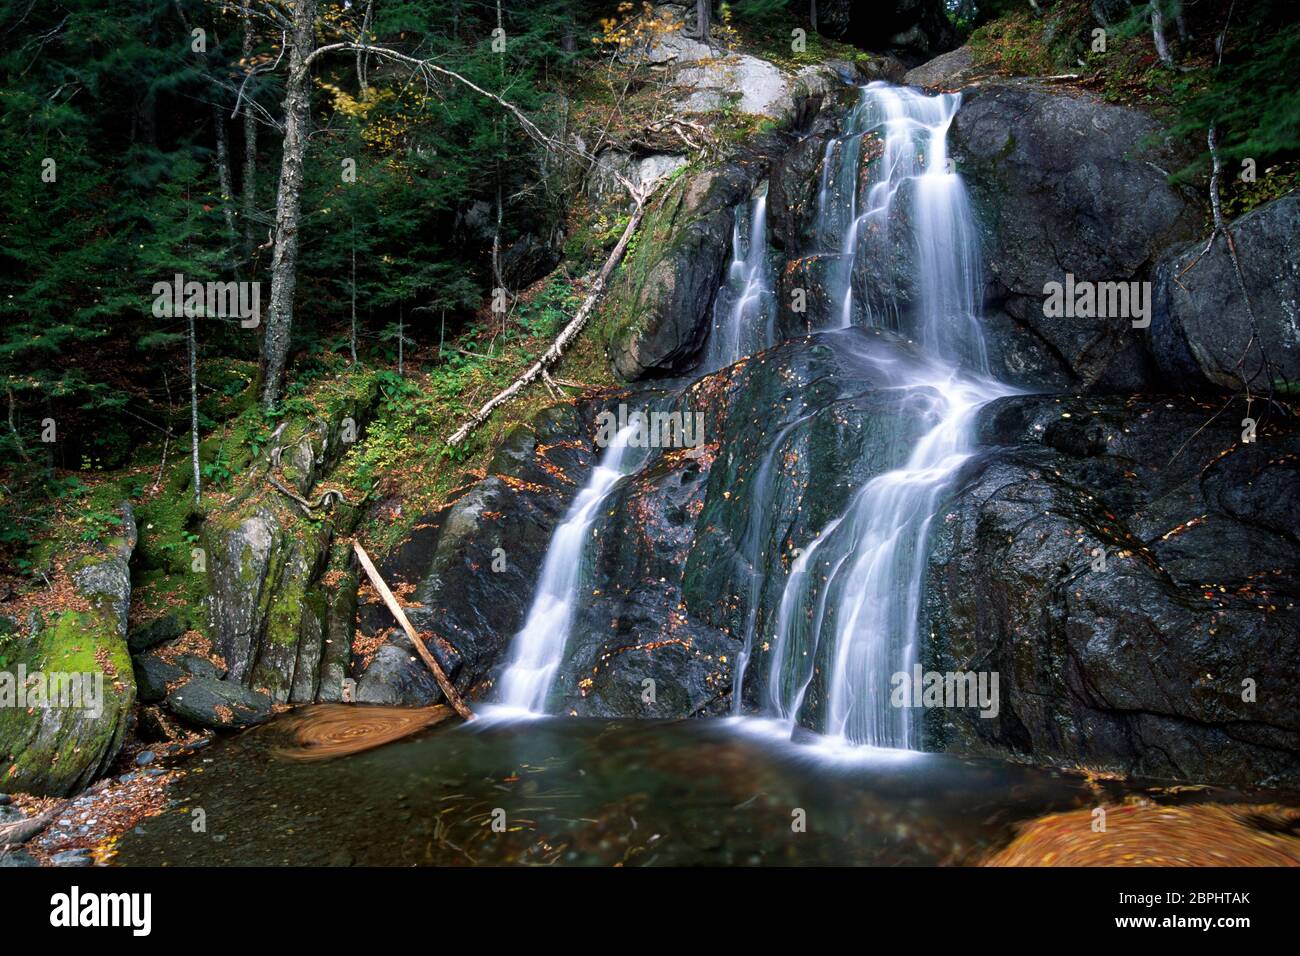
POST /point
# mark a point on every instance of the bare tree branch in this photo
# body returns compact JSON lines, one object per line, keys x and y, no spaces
{"x":539,"y":368}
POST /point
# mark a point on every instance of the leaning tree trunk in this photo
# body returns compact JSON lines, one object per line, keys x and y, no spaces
{"x":288,"y":200}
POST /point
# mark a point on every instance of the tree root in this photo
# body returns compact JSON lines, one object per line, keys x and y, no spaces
{"x":327,"y":498}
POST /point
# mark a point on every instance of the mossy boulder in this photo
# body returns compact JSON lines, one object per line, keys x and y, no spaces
{"x":657,"y":313}
{"x":87,"y":688}
{"x":659,"y":305}
{"x":267,"y":613}
{"x":270,"y":607}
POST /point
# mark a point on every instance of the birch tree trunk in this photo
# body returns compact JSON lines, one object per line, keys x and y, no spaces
{"x":194,"y":408}
{"x":249,"y":181}
{"x":226,"y":186}
{"x":361,"y":57}
{"x":284,"y":261}
{"x":1158,"y":34}
{"x":500,"y":282}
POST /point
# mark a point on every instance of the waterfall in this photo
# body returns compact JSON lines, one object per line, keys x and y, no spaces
{"x":893,"y":221}
{"x":744,"y":314}
{"x":538,"y":648}
{"x":910,"y":176}
{"x":849,"y":612}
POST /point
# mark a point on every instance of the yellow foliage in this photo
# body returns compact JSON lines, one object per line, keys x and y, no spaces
{"x":345,"y":103}
{"x":382,"y":131}
{"x":630,"y":28}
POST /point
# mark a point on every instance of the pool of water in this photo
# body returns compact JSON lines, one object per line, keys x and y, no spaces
{"x":591,"y":792}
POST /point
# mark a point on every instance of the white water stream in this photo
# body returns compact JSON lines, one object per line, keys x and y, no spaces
{"x":538,"y":648}
{"x":851,"y":602}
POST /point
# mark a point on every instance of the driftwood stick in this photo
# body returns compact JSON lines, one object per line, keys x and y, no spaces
{"x":457,"y":702}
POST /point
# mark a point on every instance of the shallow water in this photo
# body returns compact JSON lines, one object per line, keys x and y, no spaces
{"x":596,"y":792}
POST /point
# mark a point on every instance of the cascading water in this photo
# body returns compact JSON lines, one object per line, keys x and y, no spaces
{"x":851,"y":602}
{"x":538,"y":648}
{"x":744,"y":315}
{"x":911,"y":176}
{"x":850,"y":605}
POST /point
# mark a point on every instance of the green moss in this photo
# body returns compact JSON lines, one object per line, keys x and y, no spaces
{"x":622,"y":315}
{"x":1012,"y":44}
{"x":285,"y":615}
{"x":247,"y":574}
{"x":54,"y":750}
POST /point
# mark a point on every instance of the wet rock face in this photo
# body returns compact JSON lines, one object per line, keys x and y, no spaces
{"x":673,"y":562}
{"x":667,"y":573}
{"x":1201,"y":334}
{"x":1175,"y":656}
{"x":659,"y":307}
{"x":471,"y":569}
{"x":792,"y":186}
{"x":79,"y":663}
{"x":1065,"y":183}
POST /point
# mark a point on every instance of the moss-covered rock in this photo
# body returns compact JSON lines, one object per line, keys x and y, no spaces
{"x":269,"y":607}
{"x":658,"y":308}
{"x":79,"y":665}
{"x":656,"y":315}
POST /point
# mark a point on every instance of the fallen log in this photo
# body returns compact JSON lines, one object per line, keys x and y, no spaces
{"x":453,"y":697}
{"x":569,"y":333}
{"x":20,"y":831}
